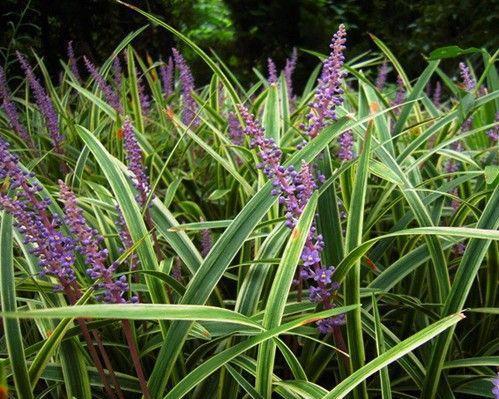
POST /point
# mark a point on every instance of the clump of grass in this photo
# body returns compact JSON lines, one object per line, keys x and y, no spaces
{"x":167,"y":240}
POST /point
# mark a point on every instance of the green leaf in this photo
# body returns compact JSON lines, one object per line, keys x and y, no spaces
{"x":451,"y":52}
{"x":12,"y":329}
{"x":347,"y":385}
{"x":279,"y":293}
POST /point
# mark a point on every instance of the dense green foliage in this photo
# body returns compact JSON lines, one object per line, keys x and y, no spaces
{"x":421,"y":309}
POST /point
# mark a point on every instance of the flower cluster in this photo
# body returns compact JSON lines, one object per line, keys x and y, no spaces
{"x":166,"y":72}
{"x":206,"y":242}
{"x":328,"y":94}
{"x":494,"y":132}
{"x":495,"y":388}
{"x":87,"y":243}
{"x":437,"y":94}
{"x":236,"y":133}
{"x":399,"y":95}
{"x":117,"y":72}
{"x":468,"y":81}
{"x":289,"y":68}
{"x":11,"y":111}
{"x":272,"y":79}
{"x":382,"y":74}
{"x":73,"y":64}
{"x":134,"y":161}
{"x":54,"y":250}
{"x":145,"y":101}
{"x":346,"y":142}
{"x":44,"y":103}
{"x":294,"y":189}
{"x":190,"y":107}
{"x":111,"y":95}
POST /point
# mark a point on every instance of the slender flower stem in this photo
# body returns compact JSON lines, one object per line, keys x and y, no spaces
{"x":127,"y":330}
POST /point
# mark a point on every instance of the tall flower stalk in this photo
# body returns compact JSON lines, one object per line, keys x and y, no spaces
{"x":53,"y":249}
{"x":88,"y":244}
{"x":328,"y":95}
{"x":44,"y":104}
{"x":190,"y":107}
{"x":11,"y":111}
{"x":166,"y":71}
{"x":73,"y":63}
{"x":294,"y":189}
{"x":272,"y":71}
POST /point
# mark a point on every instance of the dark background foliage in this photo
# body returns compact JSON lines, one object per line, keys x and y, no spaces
{"x":245,"y":33}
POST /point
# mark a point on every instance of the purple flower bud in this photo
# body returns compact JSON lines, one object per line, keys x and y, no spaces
{"x":134,"y":160}
{"x":468,"y":81}
{"x":272,"y":79}
{"x":145,"y":101}
{"x":190,"y":107}
{"x":328,"y":94}
{"x":73,"y":64}
{"x":117,"y":72}
{"x":494,"y":132}
{"x":495,"y":386}
{"x":288,"y":71}
{"x":11,"y":111}
{"x":236,"y":133}
{"x":166,"y":72}
{"x":345,"y":140}
{"x":44,"y":103}
{"x":110,"y":95}
{"x":400,"y":94}
{"x":206,"y":242}
{"x":437,"y":94}
{"x":382,"y":74}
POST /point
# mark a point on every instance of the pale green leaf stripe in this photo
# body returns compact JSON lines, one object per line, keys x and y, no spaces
{"x":466,"y":232}
{"x":12,"y":329}
{"x":140,"y":311}
{"x":353,"y":238}
{"x":278,"y":295}
{"x":131,"y":212}
{"x":305,"y":389}
{"x":384,"y":376}
{"x":492,"y":361}
{"x":347,"y":385}
{"x":271,"y":115}
{"x":215,"y":362}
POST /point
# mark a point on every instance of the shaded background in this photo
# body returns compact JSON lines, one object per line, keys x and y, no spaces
{"x":245,"y":33}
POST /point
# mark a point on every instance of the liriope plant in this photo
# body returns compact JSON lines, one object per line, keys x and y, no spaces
{"x":162,"y":239}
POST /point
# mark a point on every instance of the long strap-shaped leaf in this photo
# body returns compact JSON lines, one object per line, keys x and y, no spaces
{"x":347,"y":385}
{"x":13,"y":335}
{"x":465,"y":276}
{"x":279,"y":294}
{"x":352,"y":240}
{"x":217,"y":361}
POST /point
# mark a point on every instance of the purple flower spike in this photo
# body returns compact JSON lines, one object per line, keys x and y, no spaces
{"x":294,"y":189}
{"x":145,"y":102}
{"x":44,"y":104}
{"x":206,"y":242}
{"x":288,"y":71}
{"x":111,"y":96}
{"x":494,"y":132}
{"x":134,"y":160}
{"x":469,"y":82}
{"x":190,"y":107}
{"x":117,"y":72}
{"x":495,"y":386}
{"x":54,"y":250}
{"x":382,"y":74}
{"x":437,"y":94}
{"x":236,"y":133}
{"x":272,"y":79}
{"x":11,"y":111}
{"x":88,"y":241}
{"x":73,"y":64}
{"x":400,"y":94}
{"x":328,"y":94}
{"x":166,"y":72}
{"x":346,"y":142}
